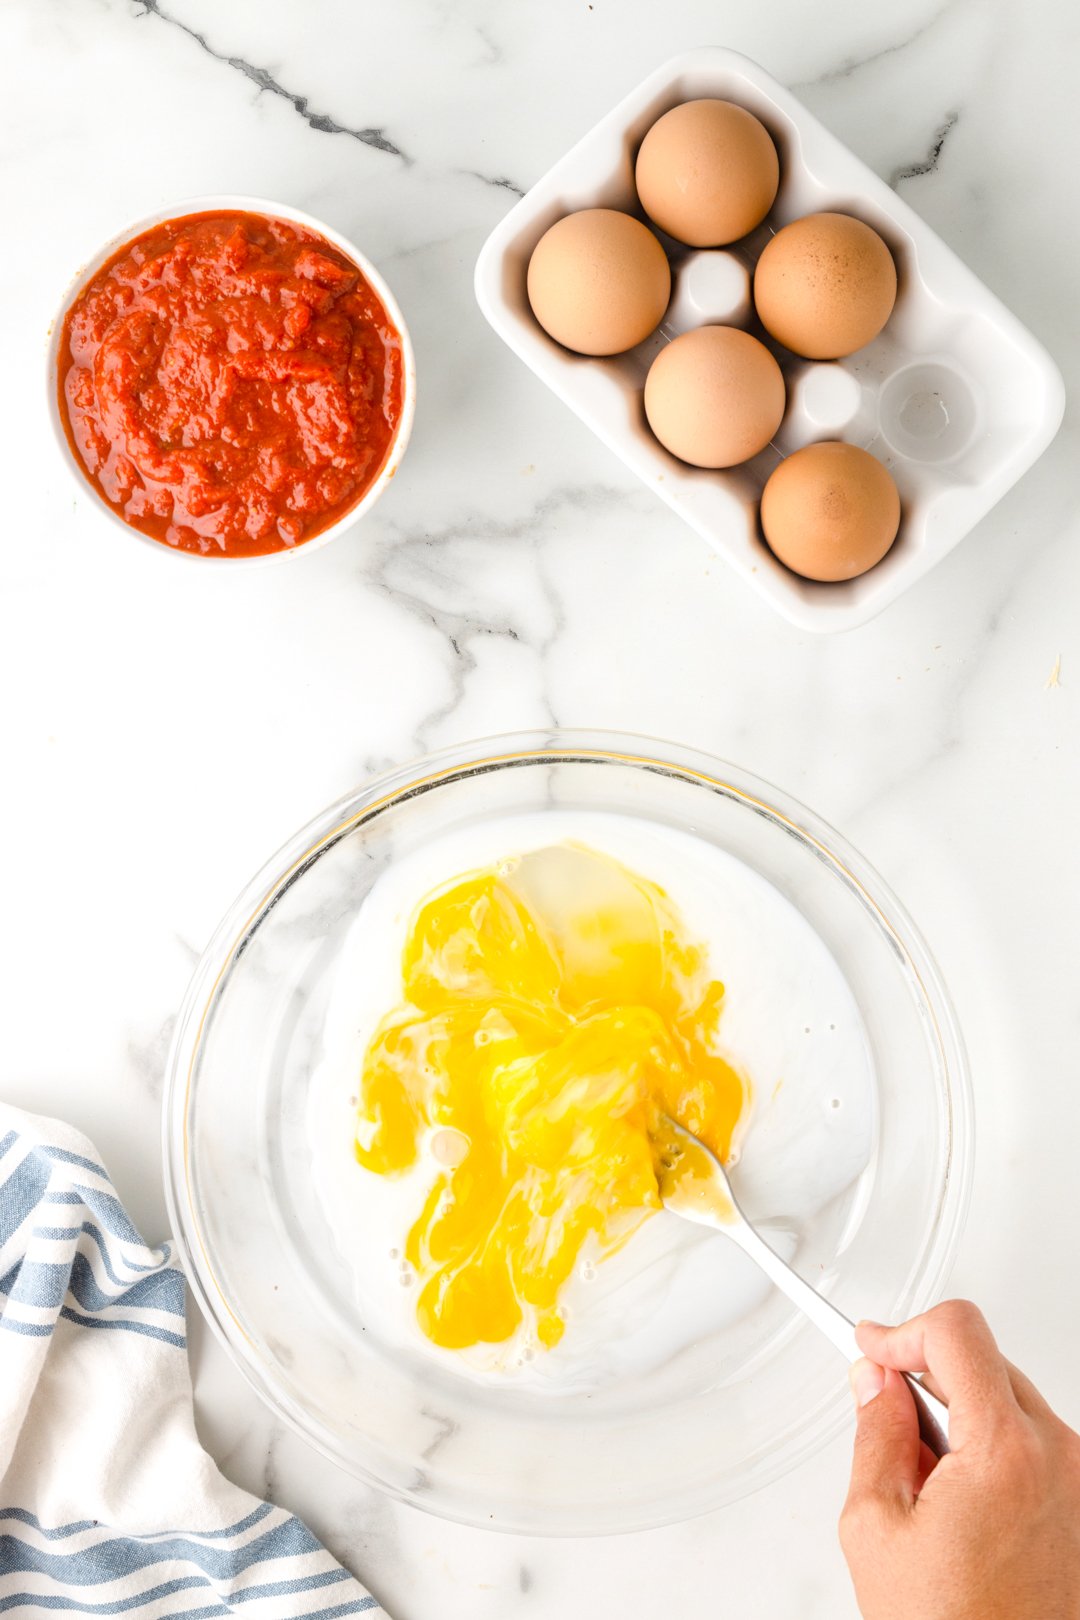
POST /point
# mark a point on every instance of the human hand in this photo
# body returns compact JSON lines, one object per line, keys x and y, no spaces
{"x":990,"y":1532}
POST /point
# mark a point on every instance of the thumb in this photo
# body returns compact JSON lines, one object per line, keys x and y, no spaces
{"x":885,"y":1464}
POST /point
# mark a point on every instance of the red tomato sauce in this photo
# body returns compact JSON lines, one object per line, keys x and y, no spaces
{"x":230,"y":383}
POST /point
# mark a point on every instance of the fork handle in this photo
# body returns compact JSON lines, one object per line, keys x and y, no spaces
{"x":933,"y":1414}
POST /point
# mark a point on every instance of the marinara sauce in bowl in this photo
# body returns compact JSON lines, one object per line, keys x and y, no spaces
{"x":233,"y":379}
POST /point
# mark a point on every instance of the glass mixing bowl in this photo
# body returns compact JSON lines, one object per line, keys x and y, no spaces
{"x":734,"y":1414}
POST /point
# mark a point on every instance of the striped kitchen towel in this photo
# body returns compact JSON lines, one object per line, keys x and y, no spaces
{"x":108,"y":1503}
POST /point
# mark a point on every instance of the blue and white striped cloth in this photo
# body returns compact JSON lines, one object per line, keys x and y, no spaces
{"x":108,"y":1503}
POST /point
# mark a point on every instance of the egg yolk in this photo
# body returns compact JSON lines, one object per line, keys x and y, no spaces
{"x":554,"y":1009}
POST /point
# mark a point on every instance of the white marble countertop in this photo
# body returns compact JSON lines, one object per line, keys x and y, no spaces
{"x":165,"y":727}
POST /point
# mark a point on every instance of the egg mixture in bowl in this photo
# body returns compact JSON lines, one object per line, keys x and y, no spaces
{"x":410,"y":1112}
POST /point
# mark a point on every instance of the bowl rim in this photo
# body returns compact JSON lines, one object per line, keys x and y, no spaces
{"x":234,"y":202}
{"x":417,"y":775}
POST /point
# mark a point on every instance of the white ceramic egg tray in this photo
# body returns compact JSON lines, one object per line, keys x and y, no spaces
{"x":955,"y":396}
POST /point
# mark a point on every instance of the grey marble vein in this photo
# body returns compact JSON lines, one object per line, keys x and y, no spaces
{"x":191,"y":951}
{"x":501,"y":181}
{"x":274,"y":1436}
{"x":147,"y":1058}
{"x":364,"y":1531}
{"x":854,"y":64}
{"x":929,"y":163}
{"x":940,"y":742}
{"x":463,"y":665}
{"x":408,"y":574}
{"x":550,"y":642}
{"x":265,"y":80}
{"x":445,"y":1430}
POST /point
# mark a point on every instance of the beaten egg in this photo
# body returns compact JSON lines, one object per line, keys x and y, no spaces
{"x":553,"y":1008}
{"x":598,"y":281}
{"x":714,"y":396}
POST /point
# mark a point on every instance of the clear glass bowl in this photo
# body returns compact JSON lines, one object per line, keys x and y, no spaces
{"x":258,"y":1251}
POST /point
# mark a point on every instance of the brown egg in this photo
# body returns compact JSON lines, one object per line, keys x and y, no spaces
{"x":707,"y":172}
{"x":825,"y":286}
{"x":715,"y":396}
{"x":599,"y":281}
{"x":830,"y":511}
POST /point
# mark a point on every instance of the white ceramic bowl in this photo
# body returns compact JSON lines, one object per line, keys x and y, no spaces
{"x":229,"y":203}
{"x":955,"y":396}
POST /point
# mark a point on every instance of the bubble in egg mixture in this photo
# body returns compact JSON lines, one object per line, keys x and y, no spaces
{"x":448,"y":1146}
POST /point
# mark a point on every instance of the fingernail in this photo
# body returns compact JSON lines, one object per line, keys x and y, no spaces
{"x":867,"y":1380}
